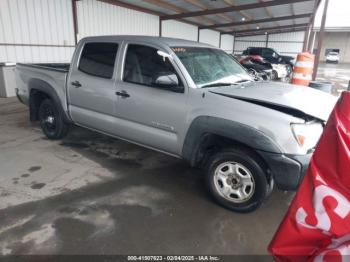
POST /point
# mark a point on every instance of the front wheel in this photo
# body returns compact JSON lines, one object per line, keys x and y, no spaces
{"x":51,"y":120}
{"x":274,"y":75}
{"x":236,"y":179}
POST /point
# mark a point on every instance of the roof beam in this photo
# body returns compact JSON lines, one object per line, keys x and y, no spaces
{"x":268,"y":12}
{"x":265,"y":20}
{"x":205,"y":7}
{"x":170,"y":6}
{"x":132,"y":6}
{"x":274,"y":32}
{"x":267,"y":29}
{"x":144,"y":10}
{"x":231,"y":9}
{"x":244,"y":15}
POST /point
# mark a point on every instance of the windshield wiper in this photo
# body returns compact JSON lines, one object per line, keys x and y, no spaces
{"x":242,"y":81}
{"x":217,"y":84}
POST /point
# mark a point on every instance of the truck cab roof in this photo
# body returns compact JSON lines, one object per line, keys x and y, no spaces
{"x":163,"y":41}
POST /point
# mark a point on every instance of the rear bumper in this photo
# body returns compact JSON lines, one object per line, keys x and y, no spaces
{"x":332,"y":61}
{"x":287,"y":170}
{"x":21,"y":98}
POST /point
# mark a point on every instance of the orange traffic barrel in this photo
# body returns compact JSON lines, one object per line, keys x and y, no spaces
{"x":303,"y":68}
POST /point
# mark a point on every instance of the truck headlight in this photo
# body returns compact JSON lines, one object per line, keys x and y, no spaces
{"x":307,"y":134}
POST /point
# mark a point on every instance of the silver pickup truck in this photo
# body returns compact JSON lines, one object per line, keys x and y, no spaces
{"x":186,"y":99}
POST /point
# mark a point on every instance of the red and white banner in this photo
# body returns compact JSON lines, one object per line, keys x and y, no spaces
{"x":317,"y":224}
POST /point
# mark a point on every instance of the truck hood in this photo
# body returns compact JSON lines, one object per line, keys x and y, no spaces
{"x":291,"y":99}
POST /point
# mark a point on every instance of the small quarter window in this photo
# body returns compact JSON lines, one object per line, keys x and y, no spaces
{"x":98,"y":59}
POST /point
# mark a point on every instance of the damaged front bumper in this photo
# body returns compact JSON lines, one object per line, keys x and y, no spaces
{"x":287,"y":170}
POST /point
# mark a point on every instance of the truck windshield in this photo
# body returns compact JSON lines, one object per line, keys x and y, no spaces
{"x":209,"y":66}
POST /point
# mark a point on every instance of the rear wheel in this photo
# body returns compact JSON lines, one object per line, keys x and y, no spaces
{"x":236,"y":179}
{"x":51,"y":120}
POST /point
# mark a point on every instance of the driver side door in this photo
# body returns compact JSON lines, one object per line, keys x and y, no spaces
{"x":150,"y":115}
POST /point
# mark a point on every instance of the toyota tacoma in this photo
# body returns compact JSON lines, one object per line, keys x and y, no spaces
{"x":189,"y":100}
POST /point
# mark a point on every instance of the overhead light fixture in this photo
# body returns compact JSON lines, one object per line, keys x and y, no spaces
{"x":257,"y":27}
{"x":265,"y":33}
{"x":243,"y":18}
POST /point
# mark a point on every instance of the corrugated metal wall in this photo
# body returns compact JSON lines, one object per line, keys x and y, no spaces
{"x":98,"y":18}
{"x":36,"y":31}
{"x":242,"y":43}
{"x":42,"y":30}
{"x":172,"y":28}
{"x":284,"y":43}
{"x":210,"y":37}
{"x":227,"y":43}
{"x":287,"y":43}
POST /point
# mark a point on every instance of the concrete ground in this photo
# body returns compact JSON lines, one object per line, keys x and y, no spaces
{"x":338,"y":74}
{"x":91,"y":194}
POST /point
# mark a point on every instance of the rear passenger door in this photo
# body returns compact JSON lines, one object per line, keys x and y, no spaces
{"x":152,"y":116}
{"x":91,"y":86}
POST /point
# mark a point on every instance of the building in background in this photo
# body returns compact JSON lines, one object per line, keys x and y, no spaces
{"x":337,"y":30}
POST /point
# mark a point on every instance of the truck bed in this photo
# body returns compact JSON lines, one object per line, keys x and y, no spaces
{"x":62,"y":67}
{"x":42,"y":76}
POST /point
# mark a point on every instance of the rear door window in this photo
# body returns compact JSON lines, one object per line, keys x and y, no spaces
{"x":98,"y":59}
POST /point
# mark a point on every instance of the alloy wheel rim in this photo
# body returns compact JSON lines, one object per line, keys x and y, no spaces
{"x":48,"y":118}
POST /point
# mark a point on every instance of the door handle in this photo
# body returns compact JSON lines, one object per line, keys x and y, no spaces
{"x":76,"y":84}
{"x":123,"y":94}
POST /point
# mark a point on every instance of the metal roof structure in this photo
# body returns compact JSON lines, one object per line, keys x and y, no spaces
{"x":236,"y":17}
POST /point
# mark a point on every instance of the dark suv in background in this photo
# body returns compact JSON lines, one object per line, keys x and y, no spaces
{"x":271,"y":56}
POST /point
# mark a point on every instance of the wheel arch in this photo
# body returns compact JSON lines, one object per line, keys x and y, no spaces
{"x":40,"y":90}
{"x":207,"y":133}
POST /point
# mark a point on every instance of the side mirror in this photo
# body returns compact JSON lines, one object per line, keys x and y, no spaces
{"x":168,"y":81}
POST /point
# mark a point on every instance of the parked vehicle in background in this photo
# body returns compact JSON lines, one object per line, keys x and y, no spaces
{"x":279,"y":71}
{"x":186,"y":99}
{"x":258,"y":70}
{"x":332,"y":57}
{"x":272,"y":56}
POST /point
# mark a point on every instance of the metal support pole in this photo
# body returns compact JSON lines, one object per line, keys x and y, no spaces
{"x":220,"y":40}
{"x":160,"y":27}
{"x":307,"y":38}
{"x":198,"y":32}
{"x":311,"y":48}
{"x":306,"y":46}
{"x":320,"y":40}
{"x":234,"y":43}
{"x":267,"y":40}
{"x":75,"y":21}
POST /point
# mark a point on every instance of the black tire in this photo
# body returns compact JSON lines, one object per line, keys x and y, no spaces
{"x":274,"y":75}
{"x":51,"y":120}
{"x":289,"y":70}
{"x":252,"y":166}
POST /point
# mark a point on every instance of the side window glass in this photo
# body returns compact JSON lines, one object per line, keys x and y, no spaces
{"x":98,"y":59}
{"x":254,"y":51}
{"x":268,"y":53}
{"x":143,"y":65}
